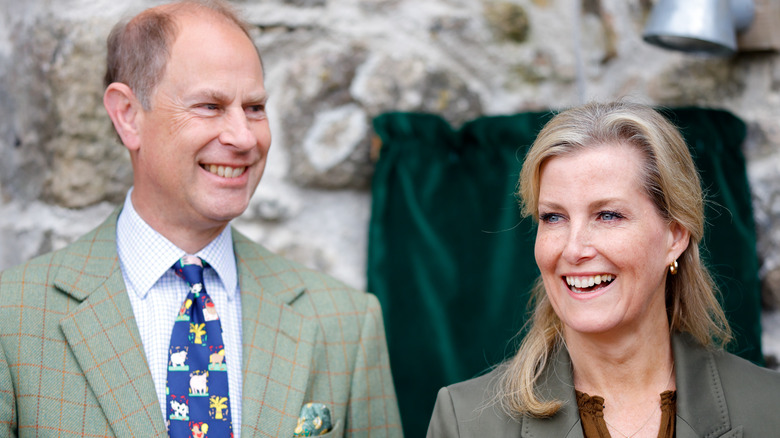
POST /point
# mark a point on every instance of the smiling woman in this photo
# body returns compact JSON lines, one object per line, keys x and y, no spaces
{"x":626,"y":334}
{"x":596,"y":220}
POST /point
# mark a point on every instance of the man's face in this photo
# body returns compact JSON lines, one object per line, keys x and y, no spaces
{"x":204,"y":142}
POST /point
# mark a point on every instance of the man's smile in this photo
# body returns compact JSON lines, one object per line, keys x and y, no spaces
{"x":224,"y":171}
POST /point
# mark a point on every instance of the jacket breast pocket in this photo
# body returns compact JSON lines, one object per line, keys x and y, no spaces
{"x":338,"y":431}
{"x":733,"y":433}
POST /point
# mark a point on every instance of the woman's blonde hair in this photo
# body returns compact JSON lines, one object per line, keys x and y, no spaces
{"x":672,"y":183}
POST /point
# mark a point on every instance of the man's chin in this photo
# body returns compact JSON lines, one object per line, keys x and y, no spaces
{"x":223,"y":217}
{"x":222,"y":213}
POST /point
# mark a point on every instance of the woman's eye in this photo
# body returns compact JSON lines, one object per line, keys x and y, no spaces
{"x":609,"y":216}
{"x":550,"y":218}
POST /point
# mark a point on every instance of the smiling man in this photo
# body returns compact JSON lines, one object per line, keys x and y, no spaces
{"x":164,"y":321}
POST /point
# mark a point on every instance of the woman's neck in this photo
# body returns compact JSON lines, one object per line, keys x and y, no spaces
{"x":636,"y":361}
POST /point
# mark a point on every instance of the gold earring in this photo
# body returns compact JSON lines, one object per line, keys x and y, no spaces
{"x":673,"y":267}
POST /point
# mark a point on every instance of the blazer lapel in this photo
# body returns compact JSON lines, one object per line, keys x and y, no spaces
{"x":278,"y":341}
{"x":557,"y":384}
{"x":701,"y":404}
{"x":701,"y":407}
{"x":103,"y":335}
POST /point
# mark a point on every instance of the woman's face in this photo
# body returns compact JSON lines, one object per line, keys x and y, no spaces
{"x":602,"y":247}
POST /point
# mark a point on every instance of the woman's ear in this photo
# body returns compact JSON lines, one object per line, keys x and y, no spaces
{"x":681,"y":238}
{"x":123,"y":108}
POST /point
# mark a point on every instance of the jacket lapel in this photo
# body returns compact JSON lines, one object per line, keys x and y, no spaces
{"x":701,"y":403}
{"x":278,"y":341}
{"x":103,"y":335}
{"x":556,"y":384}
{"x":701,"y":406}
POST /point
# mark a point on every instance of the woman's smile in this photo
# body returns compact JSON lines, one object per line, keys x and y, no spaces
{"x":590,"y":283}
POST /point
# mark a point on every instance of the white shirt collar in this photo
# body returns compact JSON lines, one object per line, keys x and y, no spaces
{"x":147,"y":255}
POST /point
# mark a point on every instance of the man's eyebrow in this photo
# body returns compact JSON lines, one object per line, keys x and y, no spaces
{"x":210,"y":95}
{"x":220,"y":97}
{"x":259,"y":97}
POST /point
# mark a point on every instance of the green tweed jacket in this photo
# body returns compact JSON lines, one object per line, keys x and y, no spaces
{"x":72,"y":363}
{"x":719,"y":395}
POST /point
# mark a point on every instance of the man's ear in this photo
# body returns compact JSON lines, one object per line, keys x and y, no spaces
{"x":124,"y":110}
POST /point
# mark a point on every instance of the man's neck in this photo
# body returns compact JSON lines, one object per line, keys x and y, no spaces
{"x":189,"y":236}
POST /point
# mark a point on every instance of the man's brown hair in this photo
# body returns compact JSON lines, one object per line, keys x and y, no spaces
{"x":139,"y":48}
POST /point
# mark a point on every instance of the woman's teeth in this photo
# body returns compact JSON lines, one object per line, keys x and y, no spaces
{"x":590,"y":281}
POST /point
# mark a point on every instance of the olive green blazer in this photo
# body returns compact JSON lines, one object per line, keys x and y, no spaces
{"x":72,"y":363}
{"x":719,"y":395}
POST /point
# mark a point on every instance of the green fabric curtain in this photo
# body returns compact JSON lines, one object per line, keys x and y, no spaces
{"x":451,"y":259}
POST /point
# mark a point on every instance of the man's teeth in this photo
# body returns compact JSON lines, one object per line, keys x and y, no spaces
{"x":225,"y":171}
{"x":583,"y":282}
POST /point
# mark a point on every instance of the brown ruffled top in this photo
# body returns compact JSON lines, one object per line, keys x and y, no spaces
{"x":592,"y":415}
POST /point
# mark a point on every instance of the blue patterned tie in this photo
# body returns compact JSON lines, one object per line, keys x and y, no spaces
{"x":197,"y":389}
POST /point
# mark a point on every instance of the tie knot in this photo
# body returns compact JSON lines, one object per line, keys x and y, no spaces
{"x":190,"y":268}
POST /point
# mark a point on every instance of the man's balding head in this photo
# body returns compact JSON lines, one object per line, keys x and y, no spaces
{"x":139,"y":48}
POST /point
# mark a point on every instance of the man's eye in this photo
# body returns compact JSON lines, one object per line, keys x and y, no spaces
{"x":208,"y":107}
{"x":255,"y":111}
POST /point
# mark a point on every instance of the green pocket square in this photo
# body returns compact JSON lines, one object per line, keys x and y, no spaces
{"x":313,"y":421}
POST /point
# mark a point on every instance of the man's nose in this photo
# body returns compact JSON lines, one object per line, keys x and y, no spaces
{"x":579,"y":244}
{"x":236,"y":131}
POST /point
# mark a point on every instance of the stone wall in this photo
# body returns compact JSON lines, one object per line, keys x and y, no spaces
{"x":331,"y":66}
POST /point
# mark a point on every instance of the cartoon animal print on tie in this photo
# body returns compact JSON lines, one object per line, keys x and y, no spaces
{"x":217,"y":360}
{"x":199,"y":430}
{"x":198,"y":403}
{"x":180,"y":410}
{"x":178,"y":361}
{"x":209,"y":311}
{"x":199,"y":384}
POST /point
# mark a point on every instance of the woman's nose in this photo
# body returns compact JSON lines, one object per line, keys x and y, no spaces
{"x":579,"y":246}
